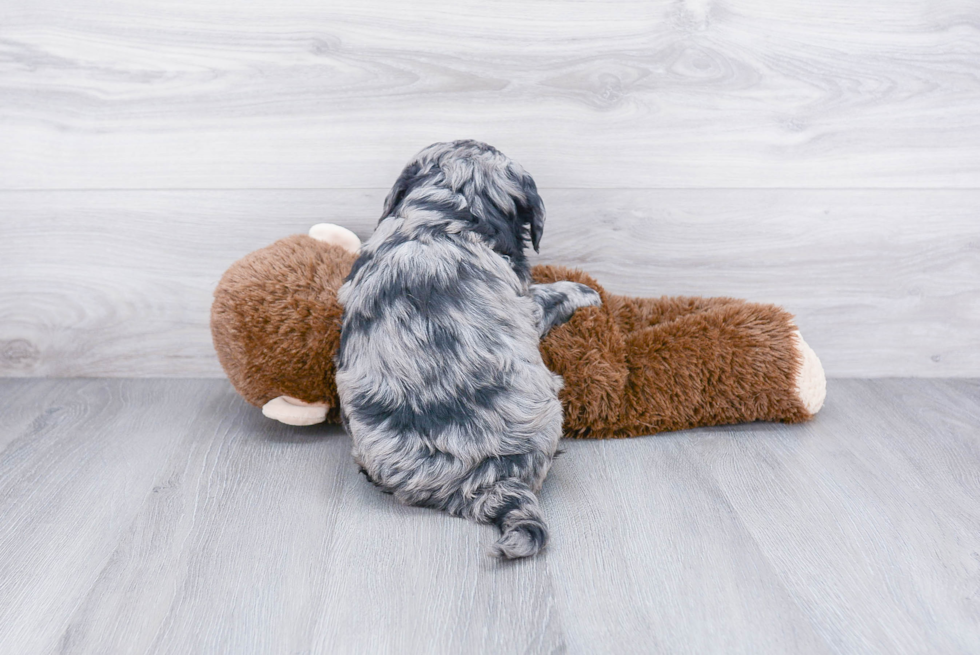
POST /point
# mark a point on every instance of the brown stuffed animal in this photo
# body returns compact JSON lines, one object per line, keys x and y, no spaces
{"x":634,"y":366}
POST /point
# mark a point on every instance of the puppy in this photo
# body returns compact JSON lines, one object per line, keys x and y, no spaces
{"x":441,"y":384}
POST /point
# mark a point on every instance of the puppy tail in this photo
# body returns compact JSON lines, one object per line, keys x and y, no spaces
{"x":513,"y":507}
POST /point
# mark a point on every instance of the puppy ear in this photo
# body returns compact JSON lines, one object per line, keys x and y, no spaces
{"x":399,"y":189}
{"x":531,"y":210}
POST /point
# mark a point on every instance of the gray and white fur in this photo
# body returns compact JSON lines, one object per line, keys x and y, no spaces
{"x":442,"y":387}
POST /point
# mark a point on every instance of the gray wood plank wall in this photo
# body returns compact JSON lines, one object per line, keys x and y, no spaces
{"x":825,"y":156}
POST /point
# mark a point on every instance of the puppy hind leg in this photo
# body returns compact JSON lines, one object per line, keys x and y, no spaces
{"x":513,"y":507}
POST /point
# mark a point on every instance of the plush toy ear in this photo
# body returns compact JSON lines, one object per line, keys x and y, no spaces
{"x":399,"y":189}
{"x":530,"y":211}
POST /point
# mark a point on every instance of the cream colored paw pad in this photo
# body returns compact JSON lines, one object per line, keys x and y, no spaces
{"x":295,"y":412}
{"x":811,"y":383}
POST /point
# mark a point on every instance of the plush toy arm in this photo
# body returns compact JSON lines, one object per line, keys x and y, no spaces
{"x":559,"y":300}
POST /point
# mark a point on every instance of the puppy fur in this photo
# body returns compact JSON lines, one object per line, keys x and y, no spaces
{"x":441,"y":384}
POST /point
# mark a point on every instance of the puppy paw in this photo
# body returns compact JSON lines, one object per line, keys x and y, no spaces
{"x":559,"y":300}
{"x":295,"y":412}
{"x":338,"y":236}
{"x":811,"y":383}
{"x":583,"y":296}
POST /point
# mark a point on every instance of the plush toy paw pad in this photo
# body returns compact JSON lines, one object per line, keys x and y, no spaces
{"x":811,"y":383}
{"x":338,"y":236}
{"x":295,"y":412}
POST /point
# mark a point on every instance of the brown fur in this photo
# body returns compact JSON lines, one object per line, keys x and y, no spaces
{"x":275,"y":321}
{"x":634,"y":366}
{"x":645,"y":365}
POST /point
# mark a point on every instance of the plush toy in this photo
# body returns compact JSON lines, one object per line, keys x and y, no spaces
{"x":634,"y":366}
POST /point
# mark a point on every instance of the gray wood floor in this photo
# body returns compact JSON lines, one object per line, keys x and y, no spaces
{"x":166,"y":516}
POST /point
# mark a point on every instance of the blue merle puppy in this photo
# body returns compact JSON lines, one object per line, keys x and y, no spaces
{"x":442,"y":387}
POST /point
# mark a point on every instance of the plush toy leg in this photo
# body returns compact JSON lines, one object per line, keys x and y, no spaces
{"x":637,"y":313}
{"x":638,"y":366}
{"x":338,"y":236}
{"x":295,"y":412}
{"x":708,"y":361}
{"x":811,"y":383}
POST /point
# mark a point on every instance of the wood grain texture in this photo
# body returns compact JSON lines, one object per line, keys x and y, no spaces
{"x":875,"y":505}
{"x":70,"y":484}
{"x":883,"y":283}
{"x":593,"y":94}
{"x":651,"y":558}
{"x":218,"y":531}
{"x":166,"y":516}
